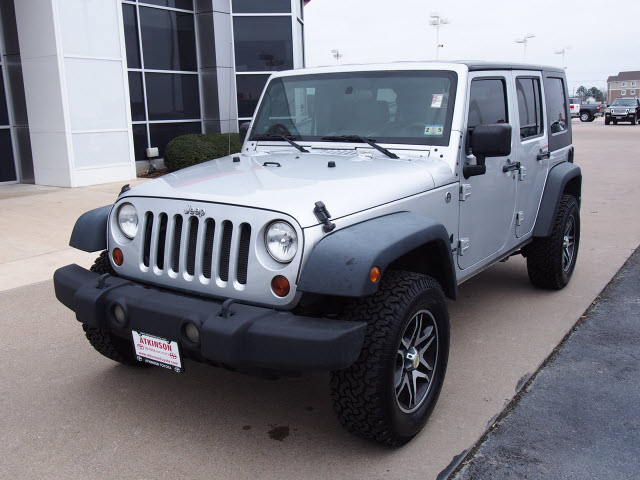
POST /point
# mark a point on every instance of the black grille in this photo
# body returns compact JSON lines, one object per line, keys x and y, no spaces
{"x":162,"y":238}
{"x":207,"y":254}
{"x":243,"y":253}
{"x":148,"y":225}
{"x":191,"y":246}
{"x":177,"y":234}
{"x":225,"y":250}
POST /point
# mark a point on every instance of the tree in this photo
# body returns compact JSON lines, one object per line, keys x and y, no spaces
{"x":582,"y":92}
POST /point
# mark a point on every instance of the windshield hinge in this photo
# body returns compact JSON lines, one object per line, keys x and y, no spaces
{"x":465,"y":191}
{"x":323,"y":216}
{"x":522,"y":172}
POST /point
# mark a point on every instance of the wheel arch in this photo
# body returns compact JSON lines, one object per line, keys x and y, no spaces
{"x":563,"y":179}
{"x":90,"y":231}
{"x":341,"y":262}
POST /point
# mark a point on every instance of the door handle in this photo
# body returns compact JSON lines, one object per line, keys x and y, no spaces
{"x":511,"y":166}
{"x":543,"y":154}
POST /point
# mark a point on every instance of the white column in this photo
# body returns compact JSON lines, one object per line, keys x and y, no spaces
{"x":76,"y":88}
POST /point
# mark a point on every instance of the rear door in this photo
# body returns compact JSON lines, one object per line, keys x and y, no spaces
{"x":532,"y":148}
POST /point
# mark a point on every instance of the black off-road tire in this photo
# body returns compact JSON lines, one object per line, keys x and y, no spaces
{"x":364,"y":395}
{"x":107,"y":344}
{"x":607,"y":120}
{"x":545,"y":254}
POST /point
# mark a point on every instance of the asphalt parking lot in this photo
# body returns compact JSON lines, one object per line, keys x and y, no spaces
{"x":67,"y":412}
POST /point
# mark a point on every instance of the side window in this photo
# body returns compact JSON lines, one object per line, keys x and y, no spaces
{"x":529,"y":107}
{"x":487,"y":102}
{"x":556,"y":105}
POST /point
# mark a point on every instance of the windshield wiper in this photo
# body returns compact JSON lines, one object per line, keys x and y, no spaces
{"x":275,"y":136}
{"x":357,"y":138}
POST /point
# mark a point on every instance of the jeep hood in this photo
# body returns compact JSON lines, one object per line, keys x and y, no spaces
{"x":292,"y":182}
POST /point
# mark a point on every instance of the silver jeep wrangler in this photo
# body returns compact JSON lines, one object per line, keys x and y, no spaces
{"x":362,"y":198}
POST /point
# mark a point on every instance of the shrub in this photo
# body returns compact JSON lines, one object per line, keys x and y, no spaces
{"x":188,"y":150}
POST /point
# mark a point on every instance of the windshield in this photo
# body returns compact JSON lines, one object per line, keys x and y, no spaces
{"x":408,"y":107}
{"x":624,"y":102}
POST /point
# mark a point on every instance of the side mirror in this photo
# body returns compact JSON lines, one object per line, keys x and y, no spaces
{"x":488,"y":141}
{"x":244,"y":128}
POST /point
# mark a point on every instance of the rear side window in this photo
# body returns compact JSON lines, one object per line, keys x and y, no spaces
{"x":529,"y":107}
{"x":487,"y":102}
{"x":556,"y":105}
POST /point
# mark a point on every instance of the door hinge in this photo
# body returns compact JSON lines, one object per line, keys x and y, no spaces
{"x":463,"y":244}
{"x":519,"y":218}
{"x":522,"y":172}
{"x":465,"y":191}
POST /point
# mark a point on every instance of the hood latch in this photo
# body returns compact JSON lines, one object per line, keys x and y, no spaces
{"x":323,"y":216}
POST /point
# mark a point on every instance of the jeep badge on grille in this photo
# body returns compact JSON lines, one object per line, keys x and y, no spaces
{"x":194,"y":211}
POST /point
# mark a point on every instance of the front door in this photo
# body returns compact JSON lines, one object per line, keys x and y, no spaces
{"x":487,"y":201}
{"x":532,"y":149}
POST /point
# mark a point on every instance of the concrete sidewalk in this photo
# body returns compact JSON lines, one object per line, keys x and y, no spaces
{"x":578,"y":417}
{"x":35,"y":227}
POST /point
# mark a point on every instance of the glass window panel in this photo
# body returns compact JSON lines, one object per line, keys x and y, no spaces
{"x":163,"y":133}
{"x":140,"y":141}
{"x":168,"y":39}
{"x":183,"y":4}
{"x":4,"y":114}
{"x":7,"y":167}
{"x":136,"y":96}
{"x":261,"y":6}
{"x":528,"y":93}
{"x":263,"y":43}
{"x":556,"y":104}
{"x":172,"y":96}
{"x":131,"y":35}
{"x":487,"y":102}
{"x":249,"y":90}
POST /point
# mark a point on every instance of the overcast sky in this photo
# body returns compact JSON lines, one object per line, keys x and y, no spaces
{"x":366,"y":31}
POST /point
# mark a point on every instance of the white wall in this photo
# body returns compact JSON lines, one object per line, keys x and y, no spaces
{"x":74,"y":68}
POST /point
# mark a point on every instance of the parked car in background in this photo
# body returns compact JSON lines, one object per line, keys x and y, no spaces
{"x":623,"y":110}
{"x":587,"y":112}
{"x":575,"y":106}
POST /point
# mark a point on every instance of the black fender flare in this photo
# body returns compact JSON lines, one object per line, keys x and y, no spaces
{"x":90,"y":231}
{"x":340,"y":264}
{"x":557,"y":180}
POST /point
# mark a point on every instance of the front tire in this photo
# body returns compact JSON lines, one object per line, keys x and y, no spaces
{"x":388,"y":394}
{"x":634,"y":120}
{"x":551,"y":260}
{"x":113,"y":347}
{"x":607,"y":120}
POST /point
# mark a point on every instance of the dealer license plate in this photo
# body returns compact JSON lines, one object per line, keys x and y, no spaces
{"x":157,"y":351}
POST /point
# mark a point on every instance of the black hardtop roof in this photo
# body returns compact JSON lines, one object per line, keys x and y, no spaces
{"x":478,"y":65}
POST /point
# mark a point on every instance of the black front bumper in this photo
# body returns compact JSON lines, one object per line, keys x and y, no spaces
{"x":251,"y":337}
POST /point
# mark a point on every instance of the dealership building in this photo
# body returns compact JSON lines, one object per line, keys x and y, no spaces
{"x":92,"y":90}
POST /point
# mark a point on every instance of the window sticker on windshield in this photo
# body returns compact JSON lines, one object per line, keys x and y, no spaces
{"x":436,"y":100}
{"x":433,"y":129}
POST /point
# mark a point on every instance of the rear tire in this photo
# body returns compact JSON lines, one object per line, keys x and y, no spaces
{"x":105,"y":343}
{"x":388,"y":394}
{"x":585,"y":117}
{"x":551,"y":260}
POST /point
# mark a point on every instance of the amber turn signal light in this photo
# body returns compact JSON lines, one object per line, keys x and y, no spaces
{"x":118,"y":256}
{"x":280,"y":286}
{"x":375,"y":274}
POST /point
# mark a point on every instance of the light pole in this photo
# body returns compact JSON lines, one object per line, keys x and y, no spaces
{"x":524,"y":42}
{"x":437,"y":21}
{"x":562,"y":52}
{"x":335,"y":53}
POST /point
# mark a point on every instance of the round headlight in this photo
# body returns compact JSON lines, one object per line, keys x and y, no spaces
{"x":281,"y":241}
{"x":128,"y":220}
